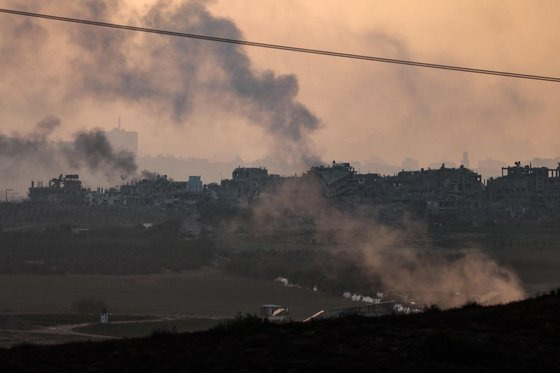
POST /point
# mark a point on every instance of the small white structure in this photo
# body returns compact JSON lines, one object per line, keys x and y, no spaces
{"x":275,"y":313}
{"x":104,"y":319}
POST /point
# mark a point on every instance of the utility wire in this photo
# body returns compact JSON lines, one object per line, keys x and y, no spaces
{"x":283,"y":47}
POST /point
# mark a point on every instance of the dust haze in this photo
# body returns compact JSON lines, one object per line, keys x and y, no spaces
{"x":393,"y":255}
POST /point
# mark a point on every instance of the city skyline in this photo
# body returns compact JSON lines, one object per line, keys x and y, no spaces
{"x":364,"y":110}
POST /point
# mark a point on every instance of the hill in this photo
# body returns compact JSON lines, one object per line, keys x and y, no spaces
{"x":518,"y":336}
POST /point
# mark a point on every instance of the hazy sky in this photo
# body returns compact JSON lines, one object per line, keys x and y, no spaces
{"x":185,"y":98}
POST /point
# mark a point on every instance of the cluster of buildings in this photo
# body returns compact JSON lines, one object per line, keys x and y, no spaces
{"x":444,"y":194}
{"x":157,"y":191}
{"x":458,"y":193}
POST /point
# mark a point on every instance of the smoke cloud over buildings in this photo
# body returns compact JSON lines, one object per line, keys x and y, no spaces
{"x":229,"y":100}
{"x":92,"y":151}
{"x":28,"y":157}
{"x":184,"y":81}
{"x":174,"y":78}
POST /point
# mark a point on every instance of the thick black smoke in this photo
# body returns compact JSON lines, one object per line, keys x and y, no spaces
{"x":176,"y":78}
{"x":92,"y":151}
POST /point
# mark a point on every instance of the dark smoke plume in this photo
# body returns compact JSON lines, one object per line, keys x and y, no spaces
{"x":148,"y":175}
{"x":45,"y":127}
{"x":34,"y":156}
{"x":91,"y":150}
{"x":177,"y":78}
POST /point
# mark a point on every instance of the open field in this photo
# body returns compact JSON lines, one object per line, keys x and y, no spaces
{"x":41,"y":308}
{"x":52,"y":328}
{"x":207,"y":293}
{"x":53,"y":319}
{"x":143,"y":329}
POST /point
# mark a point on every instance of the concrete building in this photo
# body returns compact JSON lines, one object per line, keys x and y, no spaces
{"x":336,"y":180}
{"x":194,"y":184}
{"x":122,"y":140}
{"x":536,"y":186}
{"x":444,"y":185}
{"x":465,"y":162}
{"x":441,"y":195}
{"x":246,"y":183}
{"x":159,"y":191}
{"x":63,"y":190}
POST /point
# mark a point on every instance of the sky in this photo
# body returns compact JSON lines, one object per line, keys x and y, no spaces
{"x":207,"y":100}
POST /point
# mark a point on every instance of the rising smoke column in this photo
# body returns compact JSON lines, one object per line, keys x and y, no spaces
{"x":92,"y":151}
{"x":170,"y":77}
{"x":173,"y":77}
{"x":167,"y":78}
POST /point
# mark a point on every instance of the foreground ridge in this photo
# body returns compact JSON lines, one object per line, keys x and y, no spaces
{"x":518,"y":336}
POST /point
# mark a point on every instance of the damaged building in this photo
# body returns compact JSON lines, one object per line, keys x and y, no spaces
{"x":336,"y":180}
{"x":444,"y":194}
{"x":527,"y":191}
{"x":155,"y":191}
{"x":246,"y":183}
{"x":443,"y":189}
{"x":65,"y":189}
{"x":158,"y":191}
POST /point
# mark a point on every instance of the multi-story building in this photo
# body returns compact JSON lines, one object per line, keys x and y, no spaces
{"x":122,"y":140}
{"x":525,"y":187}
{"x":64,"y":190}
{"x":246,"y":183}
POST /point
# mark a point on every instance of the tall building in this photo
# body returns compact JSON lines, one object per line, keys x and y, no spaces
{"x":194,"y":184}
{"x":122,"y":140}
{"x":465,"y":161}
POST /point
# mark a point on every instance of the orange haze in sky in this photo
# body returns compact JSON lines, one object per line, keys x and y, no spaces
{"x":364,"y":109}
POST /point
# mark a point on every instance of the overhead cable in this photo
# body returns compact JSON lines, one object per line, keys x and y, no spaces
{"x":283,"y":47}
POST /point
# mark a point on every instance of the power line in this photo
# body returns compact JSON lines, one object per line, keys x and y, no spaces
{"x":284,"y":47}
